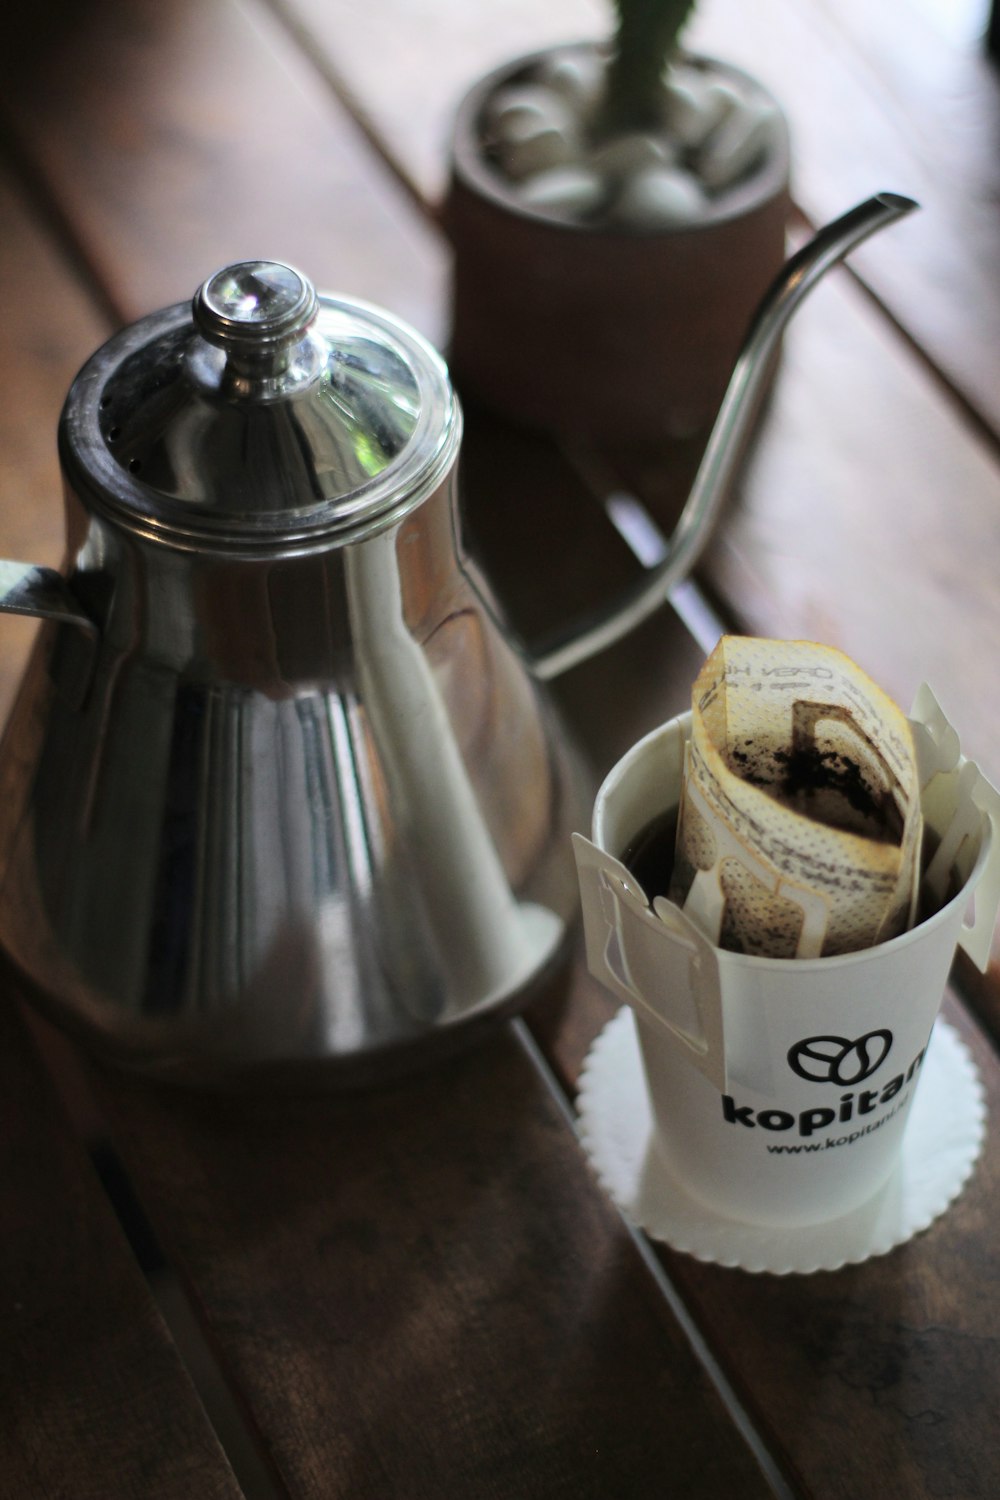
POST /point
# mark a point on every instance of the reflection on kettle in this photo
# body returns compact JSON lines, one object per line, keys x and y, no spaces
{"x":277,"y":786}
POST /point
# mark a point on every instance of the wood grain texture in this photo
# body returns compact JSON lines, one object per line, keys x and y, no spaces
{"x":538,"y":528}
{"x":902,"y":98}
{"x":48,"y":329}
{"x":898,"y":97}
{"x":405,"y":64}
{"x":178,"y":137}
{"x":882,"y":1378}
{"x":421,"y":1291}
{"x":94,"y":1398}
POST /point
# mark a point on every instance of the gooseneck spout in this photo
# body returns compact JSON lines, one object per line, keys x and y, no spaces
{"x":732,"y":424}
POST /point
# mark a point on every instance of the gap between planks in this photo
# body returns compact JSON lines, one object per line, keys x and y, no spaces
{"x":36,"y":190}
{"x":334,"y":80}
{"x":765,"y":1460}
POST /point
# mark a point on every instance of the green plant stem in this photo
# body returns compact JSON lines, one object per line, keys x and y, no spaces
{"x":645,"y":39}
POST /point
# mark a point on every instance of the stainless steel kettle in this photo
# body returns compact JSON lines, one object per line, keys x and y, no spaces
{"x":278,"y":787}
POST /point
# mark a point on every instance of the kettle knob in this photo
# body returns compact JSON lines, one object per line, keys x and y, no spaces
{"x":255,"y":309}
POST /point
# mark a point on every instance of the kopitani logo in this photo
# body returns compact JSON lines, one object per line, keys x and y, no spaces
{"x":836,"y":1060}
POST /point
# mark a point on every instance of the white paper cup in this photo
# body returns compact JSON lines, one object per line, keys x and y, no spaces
{"x":780,"y":1088}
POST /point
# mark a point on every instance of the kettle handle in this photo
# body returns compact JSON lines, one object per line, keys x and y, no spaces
{"x":724,"y":448}
{"x":29,"y":589}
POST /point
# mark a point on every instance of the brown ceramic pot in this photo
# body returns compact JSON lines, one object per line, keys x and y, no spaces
{"x":607,"y":332}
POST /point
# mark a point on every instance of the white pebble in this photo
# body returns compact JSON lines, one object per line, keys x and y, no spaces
{"x":578,"y":77}
{"x":739,"y":142}
{"x":532,"y":128}
{"x":632,"y":152}
{"x":546,"y":147}
{"x":570,"y":192}
{"x":696,"y":105}
{"x":659,"y":197}
{"x":523,"y":109}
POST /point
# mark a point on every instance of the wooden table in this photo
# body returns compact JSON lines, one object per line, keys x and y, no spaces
{"x":422,"y":1291}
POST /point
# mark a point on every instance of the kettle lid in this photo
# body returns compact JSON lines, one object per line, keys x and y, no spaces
{"x":261,"y":412}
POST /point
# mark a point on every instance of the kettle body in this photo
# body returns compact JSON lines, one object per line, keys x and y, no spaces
{"x":277,"y":787}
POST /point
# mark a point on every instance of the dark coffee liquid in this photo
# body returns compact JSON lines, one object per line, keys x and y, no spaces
{"x":650,"y":855}
{"x":927,"y":902}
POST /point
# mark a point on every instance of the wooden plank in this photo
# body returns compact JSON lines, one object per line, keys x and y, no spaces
{"x":94,"y":1397}
{"x":898,"y":97}
{"x":405,"y":66}
{"x":48,"y":329}
{"x":537,"y":528}
{"x":880,"y":1378}
{"x":420,"y":1290}
{"x":177,"y":137}
{"x":627,"y":691}
{"x":209,"y":1159}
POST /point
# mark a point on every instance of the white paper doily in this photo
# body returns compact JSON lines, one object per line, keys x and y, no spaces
{"x":943,"y":1138}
